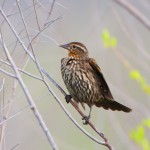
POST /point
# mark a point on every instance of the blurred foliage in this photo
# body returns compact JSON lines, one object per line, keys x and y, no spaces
{"x":138,"y":134}
{"x":111,"y":42}
{"x":136,"y":75}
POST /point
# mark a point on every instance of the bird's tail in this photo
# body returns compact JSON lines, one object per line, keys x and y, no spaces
{"x":113,"y":105}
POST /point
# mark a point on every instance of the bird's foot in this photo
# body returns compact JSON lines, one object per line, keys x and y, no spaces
{"x":86,"y":120}
{"x":68,"y":98}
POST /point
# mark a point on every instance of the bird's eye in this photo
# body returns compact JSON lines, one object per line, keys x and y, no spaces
{"x":73,"y":46}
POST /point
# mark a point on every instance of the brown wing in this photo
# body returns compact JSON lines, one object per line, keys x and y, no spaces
{"x":109,"y":102}
{"x":105,"y":89}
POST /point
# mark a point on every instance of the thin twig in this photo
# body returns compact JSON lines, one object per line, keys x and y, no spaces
{"x":106,"y":143}
{"x":68,"y":114}
{"x":30,"y":100}
{"x":51,"y":9}
{"x":134,"y":11}
{"x":25,"y":72}
{"x":60,"y":103}
{"x":2,"y":86}
{"x":45,"y":27}
{"x":26,"y":29}
{"x":20,"y":110}
{"x":137,"y":44}
{"x":75,"y":106}
{"x":36,"y":16}
{"x":43,"y":35}
{"x":4,"y":116}
{"x":15,"y":146}
{"x":71,"y":118}
{"x":7,"y":73}
{"x":54,"y":82}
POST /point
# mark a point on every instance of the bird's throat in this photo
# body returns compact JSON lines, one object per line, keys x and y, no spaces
{"x":73,"y":55}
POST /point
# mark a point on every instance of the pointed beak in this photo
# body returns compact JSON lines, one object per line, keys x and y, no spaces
{"x":65,"y":46}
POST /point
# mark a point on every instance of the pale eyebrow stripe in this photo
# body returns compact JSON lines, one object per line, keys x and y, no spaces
{"x":82,"y":48}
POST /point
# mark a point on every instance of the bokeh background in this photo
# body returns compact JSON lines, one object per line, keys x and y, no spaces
{"x":125,"y":65}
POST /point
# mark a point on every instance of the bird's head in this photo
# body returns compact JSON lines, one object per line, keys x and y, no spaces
{"x":76,"y":50}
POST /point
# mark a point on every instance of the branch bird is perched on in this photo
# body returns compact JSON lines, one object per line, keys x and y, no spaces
{"x":85,"y":81}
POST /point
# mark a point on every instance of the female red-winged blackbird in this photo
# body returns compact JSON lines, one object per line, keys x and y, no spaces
{"x":84,"y":79}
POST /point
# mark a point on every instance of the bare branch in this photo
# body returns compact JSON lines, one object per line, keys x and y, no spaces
{"x":36,"y":16}
{"x":2,"y":86}
{"x":15,"y":146}
{"x":134,"y":11}
{"x":49,"y":88}
{"x":25,"y":72}
{"x":106,"y":143}
{"x":28,"y":37}
{"x":7,"y":73}
{"x":45,"y":26}
{"x":51,"y":9}
{"x":30,"y":100}
{"x":4,"y":115}
{"x":71,"y":118}
{"x":14,"y":115}
{"x":61,"y":5}
{"x":68,"y":114}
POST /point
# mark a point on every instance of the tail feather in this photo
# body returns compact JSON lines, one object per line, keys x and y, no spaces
{"x":113,"y":105}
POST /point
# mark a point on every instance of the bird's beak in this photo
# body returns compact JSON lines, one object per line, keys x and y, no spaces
{"x":65,"y":46}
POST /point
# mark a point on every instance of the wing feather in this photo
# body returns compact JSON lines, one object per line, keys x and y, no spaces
{"x":104,"y":87}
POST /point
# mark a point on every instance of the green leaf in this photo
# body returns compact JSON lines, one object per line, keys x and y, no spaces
{"x":135,"y":74}
{"x":106,"y":35}
{"x":133,"y":134}
{"x":113,"y":42}
{"x":145,"y":144}
{"x":138,"y":134}
{"x":106,"y":38}
{"x":146,"y":88}
{"x":109,"y":42}
{"x":146,"y":122}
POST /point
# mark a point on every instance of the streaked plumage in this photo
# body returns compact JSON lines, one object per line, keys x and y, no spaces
{"x":84,"y":79}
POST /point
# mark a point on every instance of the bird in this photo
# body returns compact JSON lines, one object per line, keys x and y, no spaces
{"x":85,"y":81}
